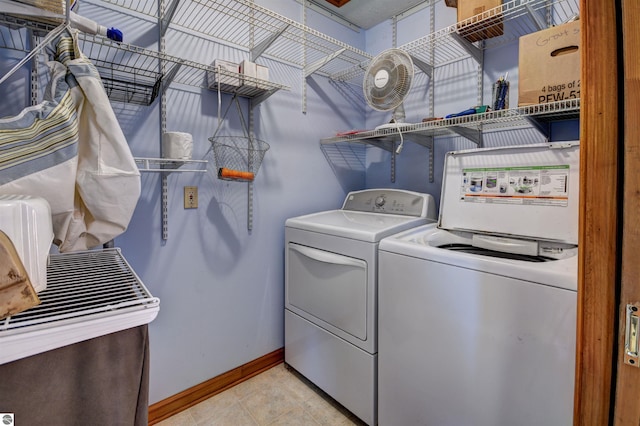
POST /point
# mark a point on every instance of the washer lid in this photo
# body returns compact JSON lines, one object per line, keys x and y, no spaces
{"x":528,"y":191}
{"x":426,"y":242}
{"x":369,"y":227}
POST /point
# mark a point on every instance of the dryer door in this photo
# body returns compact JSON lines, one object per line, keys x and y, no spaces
{"x":328,"y":288}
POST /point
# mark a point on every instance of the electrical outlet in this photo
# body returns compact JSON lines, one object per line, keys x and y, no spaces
{"x":190,"y":197}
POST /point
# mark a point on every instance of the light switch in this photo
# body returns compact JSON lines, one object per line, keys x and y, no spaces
{"x":190,"y":197}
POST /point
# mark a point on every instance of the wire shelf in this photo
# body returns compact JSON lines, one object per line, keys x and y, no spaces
{"x":89,"y":294}
{"x":452,"y":43}
{"x":80,"y":286}
{"x":492,"y":120}
{"x":242,"y":85}
{"x":130,"y":73}
{"x":258,"y":30}
{"x":238,"y":158}
{"x":148,"y":164}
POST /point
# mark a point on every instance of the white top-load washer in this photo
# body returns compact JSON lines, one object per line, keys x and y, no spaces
{"x":331,"y":291}
{"x":477,"y":314}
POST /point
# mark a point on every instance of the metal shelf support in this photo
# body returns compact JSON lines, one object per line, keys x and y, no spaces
{"x":474,"y":51}
{"x":312,"y":68}
{"x":254,"y":102}
{"x":541,"y":126}
{"x":261,"y":47}
{"x":473,"y":135}
{"x":250,"y":165}
{"x":422,"y":66}
{"x":431,"y":162}
{"x":167,"y":17}
{"x":168,"y":78}
{"x":304,"y":57}
{"x":163,"y":127}
{"x":355,"y":97}
{"x":539,"y":23}
{"x":35,"y":86}
{"x":393,"y":162}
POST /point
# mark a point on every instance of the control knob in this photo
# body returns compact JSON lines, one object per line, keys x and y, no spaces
{"x":380,"y":201}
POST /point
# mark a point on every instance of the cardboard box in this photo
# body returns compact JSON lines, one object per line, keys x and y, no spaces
{"x":229,"y":77}
{"x":549,"y":65}
{"x":479,"y":19}
{"x":16,"y":291}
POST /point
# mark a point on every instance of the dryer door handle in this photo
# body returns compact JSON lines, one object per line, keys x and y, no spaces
{"x":327,"y":257}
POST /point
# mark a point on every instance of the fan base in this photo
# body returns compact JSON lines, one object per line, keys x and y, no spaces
{"x":395,"y":125}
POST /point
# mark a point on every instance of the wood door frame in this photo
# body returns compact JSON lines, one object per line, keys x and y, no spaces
{"x":598,"y":270}
{"x":627,"y":378}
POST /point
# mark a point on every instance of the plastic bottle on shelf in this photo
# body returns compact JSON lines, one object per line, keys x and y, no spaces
{"x":91,"y":27}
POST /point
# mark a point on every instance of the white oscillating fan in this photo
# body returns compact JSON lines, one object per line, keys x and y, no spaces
{"x":386,"y":83}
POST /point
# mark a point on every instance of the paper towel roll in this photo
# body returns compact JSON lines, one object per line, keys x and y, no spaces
{"x":177,"y":145}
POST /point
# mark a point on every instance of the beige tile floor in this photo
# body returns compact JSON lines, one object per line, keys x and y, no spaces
{"x":279,"y":396}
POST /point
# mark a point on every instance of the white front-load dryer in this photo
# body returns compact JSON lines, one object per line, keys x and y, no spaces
{"x":331,"y":291}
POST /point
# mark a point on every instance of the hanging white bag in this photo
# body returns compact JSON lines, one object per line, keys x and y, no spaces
{"x":71,"y":151}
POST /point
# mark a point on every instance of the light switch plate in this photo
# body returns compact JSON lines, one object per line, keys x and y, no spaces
{"x":190,"y":197}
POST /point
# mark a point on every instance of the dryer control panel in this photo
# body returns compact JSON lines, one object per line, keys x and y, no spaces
{"x":389,"y":201}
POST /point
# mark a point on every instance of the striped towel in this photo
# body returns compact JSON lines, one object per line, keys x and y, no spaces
{"x":61,"y":151}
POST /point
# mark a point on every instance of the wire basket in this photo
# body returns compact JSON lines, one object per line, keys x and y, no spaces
{"x":238,"y":158}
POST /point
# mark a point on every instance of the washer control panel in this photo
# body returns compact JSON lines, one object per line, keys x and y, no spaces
{"x":389,"y":201}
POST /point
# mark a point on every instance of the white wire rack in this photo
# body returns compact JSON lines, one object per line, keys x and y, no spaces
{"x":519,"y":17}
{"x":147,"y":164}
{"x":471,"y":127}
{"x":468,"y":126}
{"x":129,"y":73}
{"x":88,"y":294}
{"x":248,"y":26}
{"x":251,"y":27}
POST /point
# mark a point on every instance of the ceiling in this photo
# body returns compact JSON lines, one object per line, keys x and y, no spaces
{"x":368,"y":13}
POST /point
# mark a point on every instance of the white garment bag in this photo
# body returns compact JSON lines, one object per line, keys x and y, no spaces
{"x":70,"y":150}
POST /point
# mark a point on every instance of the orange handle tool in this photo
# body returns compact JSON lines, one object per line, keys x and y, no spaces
{"x":225,"y":173}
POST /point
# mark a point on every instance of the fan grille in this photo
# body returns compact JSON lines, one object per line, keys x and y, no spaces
{"x":388,"y":79}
